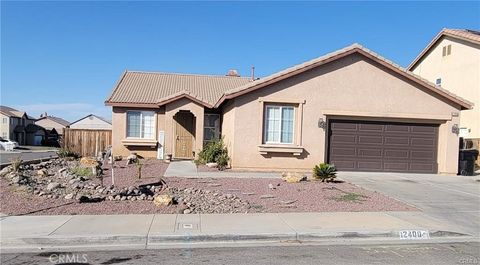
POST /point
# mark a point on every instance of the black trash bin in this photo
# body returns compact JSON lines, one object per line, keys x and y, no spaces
{"x":466,"y":162}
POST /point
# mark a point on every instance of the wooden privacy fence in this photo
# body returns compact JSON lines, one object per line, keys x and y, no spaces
{"x":86,"y":142}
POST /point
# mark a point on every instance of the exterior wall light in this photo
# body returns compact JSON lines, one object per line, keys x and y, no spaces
{"x":455,"y":129}
{"x":322,"y":124}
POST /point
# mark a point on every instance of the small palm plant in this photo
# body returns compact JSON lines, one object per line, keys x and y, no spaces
{"x":324,"y":172}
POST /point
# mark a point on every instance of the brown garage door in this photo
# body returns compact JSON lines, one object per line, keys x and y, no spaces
{"x":383,"y":146}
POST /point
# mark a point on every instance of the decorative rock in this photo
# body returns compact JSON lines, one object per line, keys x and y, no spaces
{"x":212,"y":165}
{"x":89,"y":162}
{"x":248,"y":193}
{"x":267,"y":196}
{"x":187,"y":211}
{"x":214,"y":185}
{"x":42,"y":172}
{"x":293,"y":177}
{"x":288,"y":202}
{"x":69,"y":196}
{"x":53,"y":186}
{"x":132,"y":159}
{"x":163,"y":200}
{"x":270,"y":186}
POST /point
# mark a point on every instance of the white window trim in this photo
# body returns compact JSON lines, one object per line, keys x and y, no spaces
{"x":265,"y":120}
{"x":154,"y":135}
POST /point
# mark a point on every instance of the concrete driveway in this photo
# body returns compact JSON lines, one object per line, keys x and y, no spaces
{"x":454,"y":199}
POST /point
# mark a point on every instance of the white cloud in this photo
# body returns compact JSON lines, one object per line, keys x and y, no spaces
{"x":68,"y":111}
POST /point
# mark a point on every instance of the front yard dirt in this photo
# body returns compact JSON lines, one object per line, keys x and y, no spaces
{"x":29,"y":194}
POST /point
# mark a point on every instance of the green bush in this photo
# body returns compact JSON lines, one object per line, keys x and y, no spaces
{"x":214,"y":152}
{"x":82,"y":171}
{"x":64,"y":153}
{"x":324,"y":172}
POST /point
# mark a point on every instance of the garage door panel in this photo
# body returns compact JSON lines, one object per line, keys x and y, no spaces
{"x":396,"y":154}
{"x":393,"y":128}
{"x":417,"y":141}
{"x":396,"y":166}
{"x":383,"y":146}
{"x":345,"y":139}
{"x":370,"y":127}
{"x":344,"y":126}
{"x":369,"y":152}
{"x":397,"y":140}
{"x":345,"y":165}
{"x":375,"y":140}
{"x":369,"y":165}
{"x":344,"y":151}
{"x":422,"y":155}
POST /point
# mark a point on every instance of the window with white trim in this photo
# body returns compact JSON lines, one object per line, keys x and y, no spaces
{"x":141,"y":124}
{"x":278,"y":125}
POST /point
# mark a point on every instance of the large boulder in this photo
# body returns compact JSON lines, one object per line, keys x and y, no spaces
{"x":293,"y":177}
{"x":163,"y":200}
{"x":42,"y":172}
{"x":89,"y":162}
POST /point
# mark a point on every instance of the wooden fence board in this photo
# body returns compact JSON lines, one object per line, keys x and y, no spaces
{"x":86,"y":142}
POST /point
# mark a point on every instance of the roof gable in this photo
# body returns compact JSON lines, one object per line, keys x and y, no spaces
{"x":91,"y":115}
{"x":57,"y":120}
{"x":355,"y":48}
{"x":471,"y":36}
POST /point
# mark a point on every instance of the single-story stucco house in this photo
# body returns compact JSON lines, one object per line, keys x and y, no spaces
{"x":351,"y":108}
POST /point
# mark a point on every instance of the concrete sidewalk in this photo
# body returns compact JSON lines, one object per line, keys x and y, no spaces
{"x":34,"y":233}
{"x":189,"y":169}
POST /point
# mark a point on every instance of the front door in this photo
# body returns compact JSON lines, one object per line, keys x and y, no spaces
{"x":184,"y":135}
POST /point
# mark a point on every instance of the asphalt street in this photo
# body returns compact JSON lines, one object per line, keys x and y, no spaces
{"x":438,"y":254}
{"x":7,"y":157}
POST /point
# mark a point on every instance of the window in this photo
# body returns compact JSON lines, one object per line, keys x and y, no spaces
{"x":279,"y":124}
{"x":140,"y":124}
{"x":5,"y":120}
{"x":438,"y":82}
{"x":211,"y":127}
{"x":446,"y":50}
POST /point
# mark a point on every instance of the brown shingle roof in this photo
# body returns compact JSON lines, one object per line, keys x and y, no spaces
{"x":300,"y":68}
{"x":159,"y":88}
{"x":472,"y":36}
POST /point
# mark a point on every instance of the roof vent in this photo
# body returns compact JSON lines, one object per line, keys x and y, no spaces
{"x":232,"y":72}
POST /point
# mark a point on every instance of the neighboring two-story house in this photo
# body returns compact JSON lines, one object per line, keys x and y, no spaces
{"x":19,"y":126}
{"x":452,"y":61}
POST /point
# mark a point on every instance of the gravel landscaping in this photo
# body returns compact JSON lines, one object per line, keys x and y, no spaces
{"x":54,"y":187}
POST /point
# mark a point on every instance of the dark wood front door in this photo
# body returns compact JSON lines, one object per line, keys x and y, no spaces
{"x":383,"y":146}
{"x":184,"y":135}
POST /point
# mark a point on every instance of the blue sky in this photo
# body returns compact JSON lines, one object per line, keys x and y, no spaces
{"x":64,"y":57}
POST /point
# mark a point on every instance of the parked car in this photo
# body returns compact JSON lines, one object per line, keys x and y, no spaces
{"x":7,"y":145}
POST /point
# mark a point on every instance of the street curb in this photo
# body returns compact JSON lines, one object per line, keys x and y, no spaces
{"x":33,"y":161}
{"x":144,"y":241}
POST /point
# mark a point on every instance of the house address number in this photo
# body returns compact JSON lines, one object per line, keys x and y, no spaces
{"x":414,"y":234}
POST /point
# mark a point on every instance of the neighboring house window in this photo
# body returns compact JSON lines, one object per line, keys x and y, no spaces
{"x":5,"y":120}
{"x":141,"y":124}
{"x":446,"y":50}
{"x":4,"y":135}
{"x":438,"y":82}
{"x":278,"y":124}
{"x":211,"y":127}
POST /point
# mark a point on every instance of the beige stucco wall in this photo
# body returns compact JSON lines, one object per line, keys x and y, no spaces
{"x":351,"y":86}
{"x":164,"y":122}
{"x":5,"y":128}
{"x":173,"y":108}
{"x":460,"y":74}
{"x":119,"y":132}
